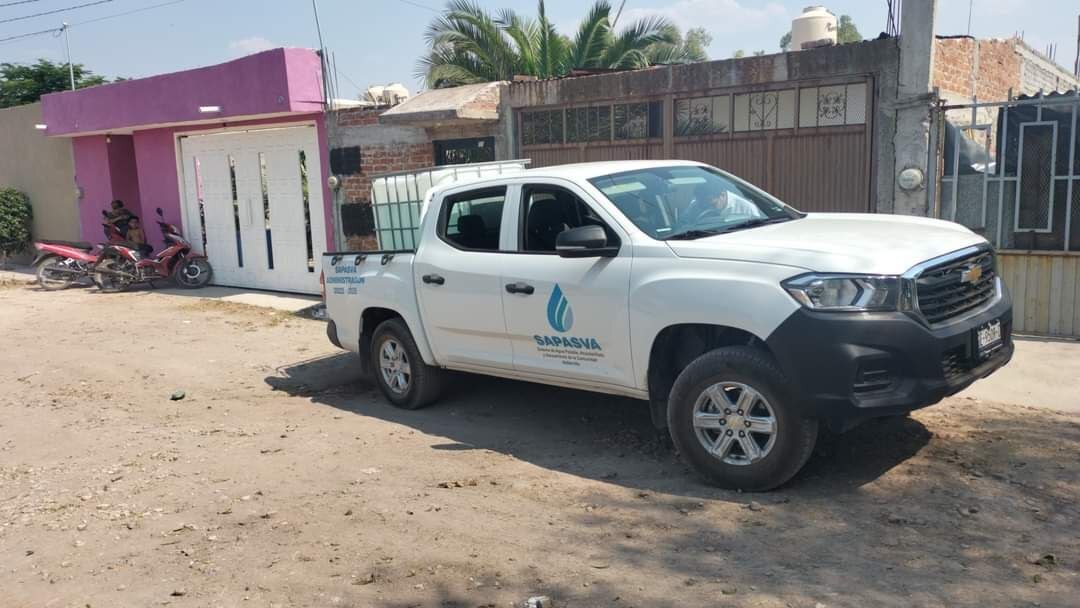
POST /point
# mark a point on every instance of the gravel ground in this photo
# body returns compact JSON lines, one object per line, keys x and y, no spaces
{"x":281,"y":479}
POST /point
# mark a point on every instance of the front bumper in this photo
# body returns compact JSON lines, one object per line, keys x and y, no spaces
{"x":848,"y":367}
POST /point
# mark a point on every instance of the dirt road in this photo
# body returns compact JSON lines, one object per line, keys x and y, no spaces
{"x":280,"y":480}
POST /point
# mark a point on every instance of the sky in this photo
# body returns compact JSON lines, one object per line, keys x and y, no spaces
{"x":379,"y":41}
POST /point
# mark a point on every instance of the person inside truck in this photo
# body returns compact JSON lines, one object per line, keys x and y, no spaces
{"x":710,"y":204}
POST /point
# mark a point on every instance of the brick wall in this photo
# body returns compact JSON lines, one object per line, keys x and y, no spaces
{"x":382,"y":150}
{"x":987,"y":68}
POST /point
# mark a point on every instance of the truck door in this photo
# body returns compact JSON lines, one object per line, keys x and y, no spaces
{"x":457,"y":272}
{"x":566,"y":317}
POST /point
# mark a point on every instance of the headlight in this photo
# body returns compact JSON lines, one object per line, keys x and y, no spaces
{"x":844,"y":292}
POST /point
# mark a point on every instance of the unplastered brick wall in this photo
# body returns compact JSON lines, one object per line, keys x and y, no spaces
{"x":989,"y":69}
{"x":382,"y":149}
{"x":966,"y":67}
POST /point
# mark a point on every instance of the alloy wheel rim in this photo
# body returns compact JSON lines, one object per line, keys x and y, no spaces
{"x":735,"y":423}
{"x":192,"y":272}
{"x":394,"y":366}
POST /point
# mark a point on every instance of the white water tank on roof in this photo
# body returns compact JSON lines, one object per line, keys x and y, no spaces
{"x":816,"y":26}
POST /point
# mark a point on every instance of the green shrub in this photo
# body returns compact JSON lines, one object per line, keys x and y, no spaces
{"x":15,"y":219}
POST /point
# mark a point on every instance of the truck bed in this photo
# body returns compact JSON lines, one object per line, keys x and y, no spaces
{"x":357,"y":281}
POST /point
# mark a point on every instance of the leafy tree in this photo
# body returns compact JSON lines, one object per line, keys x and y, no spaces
{"x":738,"y":54}
{"x":22,"y":84}
{"x":15,"y":219}
{"x":468,"y":45}
{"x":690,"y":49}
{"x":845,"y":32}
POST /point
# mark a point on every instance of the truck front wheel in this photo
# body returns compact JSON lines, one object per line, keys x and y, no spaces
{"x":733,"y":418}
{"x":400,"y":372}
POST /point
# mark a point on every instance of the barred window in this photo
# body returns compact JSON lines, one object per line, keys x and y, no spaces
{"x":702,"y":115}
{"x":588,"y":124}
{"x":542,"y":127}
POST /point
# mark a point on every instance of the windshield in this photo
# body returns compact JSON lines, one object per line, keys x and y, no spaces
{"x":690,"y":201}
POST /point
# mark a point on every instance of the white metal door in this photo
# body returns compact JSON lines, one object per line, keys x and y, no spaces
{"x":458,"y":284}
{"x":572,"y":318}
{"x":257,"y":198}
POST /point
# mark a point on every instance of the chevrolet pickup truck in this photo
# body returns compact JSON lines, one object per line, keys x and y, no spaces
{"x":744,"y":323}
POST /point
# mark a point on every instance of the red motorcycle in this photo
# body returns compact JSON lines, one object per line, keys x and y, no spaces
{"x":120,"y":266}
{"x":61,"y":264}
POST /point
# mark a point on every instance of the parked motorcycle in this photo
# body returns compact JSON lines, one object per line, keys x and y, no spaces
{"x":61,"y":264}
{"x":121,"y":266}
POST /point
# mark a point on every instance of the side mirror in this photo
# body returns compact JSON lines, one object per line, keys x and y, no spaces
{"x":584,"y":242}
{"x":160,"y":212}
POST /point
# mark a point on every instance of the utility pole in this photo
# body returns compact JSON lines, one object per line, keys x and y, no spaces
{"x":322,"y":57}
{"x":1076,"y":66}
{"x":971,"y":7}
{"x":67,"y":47}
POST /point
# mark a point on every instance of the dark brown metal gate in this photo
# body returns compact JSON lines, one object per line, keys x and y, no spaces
{"x":807,"y":143}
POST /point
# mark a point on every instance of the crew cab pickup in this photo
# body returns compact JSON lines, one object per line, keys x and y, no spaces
{"x":744,"y":323}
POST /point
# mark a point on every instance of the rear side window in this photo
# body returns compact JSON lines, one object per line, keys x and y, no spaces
{"x":472,"y":220}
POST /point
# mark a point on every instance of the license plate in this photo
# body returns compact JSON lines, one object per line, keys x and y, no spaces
{"x":988,"y":338}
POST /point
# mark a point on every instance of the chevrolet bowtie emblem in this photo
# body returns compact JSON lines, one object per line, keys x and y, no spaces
{"x":972,"y":274}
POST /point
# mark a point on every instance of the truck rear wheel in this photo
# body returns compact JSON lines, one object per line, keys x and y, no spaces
{"x":733,"y":418}
{"x":400,"y":372}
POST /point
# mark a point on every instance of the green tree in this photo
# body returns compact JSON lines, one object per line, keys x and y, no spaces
{"x":22,"y":84}
{"x":15,"y":219}
{"x":467,"y":44}
{"x":689,"y":49}
{"x":845,"y":32}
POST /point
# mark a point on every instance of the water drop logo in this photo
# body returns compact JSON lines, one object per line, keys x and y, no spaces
{"x":560,"y":315}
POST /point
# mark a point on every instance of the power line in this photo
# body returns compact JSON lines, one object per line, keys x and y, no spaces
{"x":18,"y":2}
{"x":419,"y":5}
{"x":53,"y":12}
{"x":95,"y":20}
{"x":137,"y":10}
{"x":21,"y":36}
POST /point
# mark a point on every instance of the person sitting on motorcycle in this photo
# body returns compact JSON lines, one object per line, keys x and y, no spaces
{"x":119,"y":216}
{"x":136,"y":236}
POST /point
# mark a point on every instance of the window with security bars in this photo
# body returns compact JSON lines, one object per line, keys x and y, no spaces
{"x":542,"y":127}
{"x":588,"y":124}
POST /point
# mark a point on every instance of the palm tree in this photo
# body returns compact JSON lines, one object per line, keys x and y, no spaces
{"x":468,"y":45}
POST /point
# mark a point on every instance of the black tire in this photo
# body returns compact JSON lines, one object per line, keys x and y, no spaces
{"x":44,"y":273}
{"x":424,"y":381}
{"x":793,"y":435}
{"x":193,"y":273}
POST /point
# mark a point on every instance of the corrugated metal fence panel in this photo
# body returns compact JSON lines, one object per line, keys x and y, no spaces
{"x":1045,"y":290}
{"x":823,"y":171}
{"x":747,"y":158}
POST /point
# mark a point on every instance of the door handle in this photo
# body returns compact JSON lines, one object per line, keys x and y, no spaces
{"x":433,"y":279}
{"x":519,"y":287}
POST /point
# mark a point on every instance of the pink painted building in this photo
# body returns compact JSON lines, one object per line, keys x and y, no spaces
{"x":233,"y":152}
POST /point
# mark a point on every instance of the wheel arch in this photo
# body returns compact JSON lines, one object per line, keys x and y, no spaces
{"x":676,"y":346}
{"x":372,"y":316}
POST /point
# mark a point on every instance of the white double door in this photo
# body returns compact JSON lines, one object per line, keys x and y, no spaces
{"x":255,"y":198}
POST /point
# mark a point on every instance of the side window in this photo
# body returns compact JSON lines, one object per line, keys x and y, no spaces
{"x":550,"y":210}
{"x":472,"y":220}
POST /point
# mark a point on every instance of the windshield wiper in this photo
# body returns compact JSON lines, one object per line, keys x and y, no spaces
{"x":697,"y":233}
{"x":758,"y":222}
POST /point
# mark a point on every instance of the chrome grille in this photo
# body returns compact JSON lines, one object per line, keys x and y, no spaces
{"x":954,"y":288}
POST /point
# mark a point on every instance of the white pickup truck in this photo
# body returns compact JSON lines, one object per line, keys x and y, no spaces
{"x":744,"y":323}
